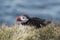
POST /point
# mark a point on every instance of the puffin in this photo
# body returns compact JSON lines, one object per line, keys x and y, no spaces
{"x":32,"y":21}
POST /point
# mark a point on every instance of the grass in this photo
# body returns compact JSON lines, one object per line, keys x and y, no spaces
{"x":16,"y":32}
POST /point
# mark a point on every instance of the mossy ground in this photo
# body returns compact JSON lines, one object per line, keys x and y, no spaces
{"x":16,"y":32}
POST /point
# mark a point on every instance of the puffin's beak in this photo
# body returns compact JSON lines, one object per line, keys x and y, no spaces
{"x":18,"y":19}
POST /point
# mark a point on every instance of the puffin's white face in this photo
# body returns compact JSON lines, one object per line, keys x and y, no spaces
{"x":22,"y":19}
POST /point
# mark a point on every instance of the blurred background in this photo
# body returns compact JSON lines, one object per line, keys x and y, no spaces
{"x":47,"y":9}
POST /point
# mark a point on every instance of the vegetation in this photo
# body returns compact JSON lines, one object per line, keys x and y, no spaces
{"x":16,"y":32}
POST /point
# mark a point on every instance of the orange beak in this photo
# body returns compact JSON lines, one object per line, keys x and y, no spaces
{"x":18,"y":19}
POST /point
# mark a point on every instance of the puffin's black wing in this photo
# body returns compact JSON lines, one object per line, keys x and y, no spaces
{"x":36,"y":22}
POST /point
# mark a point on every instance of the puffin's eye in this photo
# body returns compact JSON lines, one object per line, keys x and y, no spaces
{"x":23,"y":17}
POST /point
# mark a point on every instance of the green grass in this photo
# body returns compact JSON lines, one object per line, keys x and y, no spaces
{"x":16,"y":32}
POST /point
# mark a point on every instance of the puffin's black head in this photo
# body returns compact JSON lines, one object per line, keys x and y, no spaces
{"x":27,"y":16}
{"x":22,"y":18}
